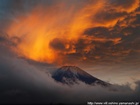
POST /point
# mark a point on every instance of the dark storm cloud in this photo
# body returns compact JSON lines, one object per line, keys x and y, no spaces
{"x":109,"y":16}
{"x":98,"y":31}
{"x":126,"y":4}
{"x":115,"y":11}
{"x":136,"y":21}
{"x":57,"y":44}
{"x":119,"y":19}
{"x":116,"y":36}
{"x":7,"y":41}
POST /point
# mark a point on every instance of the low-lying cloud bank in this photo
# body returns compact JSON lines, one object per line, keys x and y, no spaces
{"x":22,"y":82}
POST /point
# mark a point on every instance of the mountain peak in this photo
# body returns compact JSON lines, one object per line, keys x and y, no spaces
{"x":72,"y":74}
{"x":73,"y":69}
{"x":70,"y":67}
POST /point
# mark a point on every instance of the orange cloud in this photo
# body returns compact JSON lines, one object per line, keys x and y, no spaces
{"x":52,"y":34}
{"x":39,"y":28}
{"x":115,"y":11}
{"x":126,"y":6}
{"x":102,"y":39}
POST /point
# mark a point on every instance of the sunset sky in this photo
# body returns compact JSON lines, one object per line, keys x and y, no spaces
{"x":100,"y":36}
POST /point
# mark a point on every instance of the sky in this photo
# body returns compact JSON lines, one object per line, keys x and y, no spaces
{"x":101,"y":37}
{"x":87,"y":31}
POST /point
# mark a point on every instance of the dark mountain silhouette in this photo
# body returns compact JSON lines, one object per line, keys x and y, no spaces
{"x":72,"y":75}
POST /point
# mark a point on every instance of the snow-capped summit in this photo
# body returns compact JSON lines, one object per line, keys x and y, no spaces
{"x":72,"y":74}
